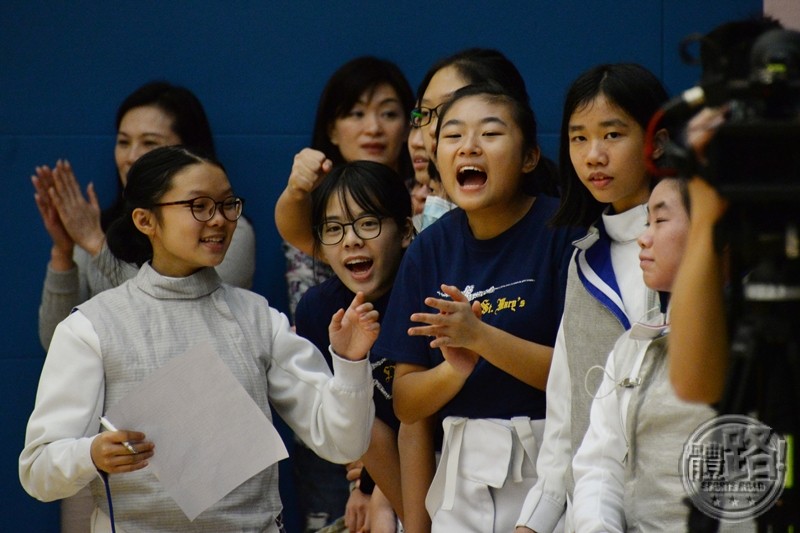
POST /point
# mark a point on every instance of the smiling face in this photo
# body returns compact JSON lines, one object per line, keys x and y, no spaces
{"x":181,"y":244}
{"x":374,"y":129}
{"x":481,"y":159}
{"x":369,"y":265}
{"x":606,"y":147}
{"x":141,"y":130}
{"x":664,"y":241}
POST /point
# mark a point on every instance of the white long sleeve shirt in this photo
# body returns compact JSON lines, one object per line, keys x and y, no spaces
{"x":627,"y":473}
{"x":546,"y":502}
{"x":333,"y":415}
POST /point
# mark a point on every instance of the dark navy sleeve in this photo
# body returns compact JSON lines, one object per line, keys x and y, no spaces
{"x":562,"y":256}
{"x":310,"y":322}
{"x":407,"y":297}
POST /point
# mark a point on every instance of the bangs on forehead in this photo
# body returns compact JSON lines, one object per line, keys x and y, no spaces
{"x":360,"y":196}
{"x":487,"y":98}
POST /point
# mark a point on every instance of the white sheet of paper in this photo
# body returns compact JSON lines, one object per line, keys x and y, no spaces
{"x":210,"y":435}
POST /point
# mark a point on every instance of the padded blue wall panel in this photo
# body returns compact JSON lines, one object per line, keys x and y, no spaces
{"x":18,"y":511}
{"x":258,"y":67}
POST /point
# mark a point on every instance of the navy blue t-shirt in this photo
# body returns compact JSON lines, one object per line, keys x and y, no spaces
{"x":312,"y":317}
{"x":519,"y":278}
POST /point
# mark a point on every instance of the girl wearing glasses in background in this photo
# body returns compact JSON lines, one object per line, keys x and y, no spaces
{"x":361,"y":216}
{"x":425,"y":174}
{"x":179,"y":217}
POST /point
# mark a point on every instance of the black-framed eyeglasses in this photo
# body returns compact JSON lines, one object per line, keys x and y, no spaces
{"x":422,"y":116}
{"x":365,"y":227}
{"x":203,"y":208}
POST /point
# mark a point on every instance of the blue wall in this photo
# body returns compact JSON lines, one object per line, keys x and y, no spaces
{"x":258,"y":67}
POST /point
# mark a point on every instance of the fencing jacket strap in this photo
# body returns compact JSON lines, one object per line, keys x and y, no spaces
{"x":593,"y":261}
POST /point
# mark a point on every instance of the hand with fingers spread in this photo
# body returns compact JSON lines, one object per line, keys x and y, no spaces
{"x":79,"y":216}
{"x":110,"y":454}
{"x":353,"y":331}
{"x":454,"y":328}
{"x":63,"y":244}
{"x":308,"y":169}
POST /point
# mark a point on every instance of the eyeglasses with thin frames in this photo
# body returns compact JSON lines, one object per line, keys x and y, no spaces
{"x":203,"y":208}
{"x":365,"y":227}
{"x":422,"y":116}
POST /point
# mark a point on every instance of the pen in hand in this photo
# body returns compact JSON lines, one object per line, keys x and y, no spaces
{"x":110,"y":427}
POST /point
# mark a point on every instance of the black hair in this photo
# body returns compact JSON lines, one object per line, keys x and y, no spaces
{"x":628,"y":86}
{"x":479,"y":66}
{"x":189,"y":123}
{"x":149,"y":178}
{"x":374,"y":187}
{"x":343,"y":91}
{"x":189,"y":120}
{"x":522,"y":114}
{"x":682,"y":184}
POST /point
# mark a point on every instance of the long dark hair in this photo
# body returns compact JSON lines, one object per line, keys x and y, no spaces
{"x":189,"y":123}
{"x":149,"y":178}
{"x":374,"y":187}
{"x":630,"y":87}
{"x":344,"y":89}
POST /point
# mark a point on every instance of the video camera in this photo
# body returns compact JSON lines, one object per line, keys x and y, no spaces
{"x":755,"y":155}
{"x":752,"y":70}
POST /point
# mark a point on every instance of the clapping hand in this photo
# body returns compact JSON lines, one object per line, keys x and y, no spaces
{"x":79,"y":215}
{"x":42,"y":182}
{"x":69,"y":217}
{"x":454,"y":328}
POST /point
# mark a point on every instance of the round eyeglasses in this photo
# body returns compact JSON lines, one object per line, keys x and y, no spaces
{"x":366,"y":227}
{"x":203,"y":208}
{"x":422,"y":116}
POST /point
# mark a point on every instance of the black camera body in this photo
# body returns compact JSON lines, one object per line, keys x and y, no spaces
{"x":755,"y":156}
{"x":757,"y":161}
{"x":752,"y":70}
